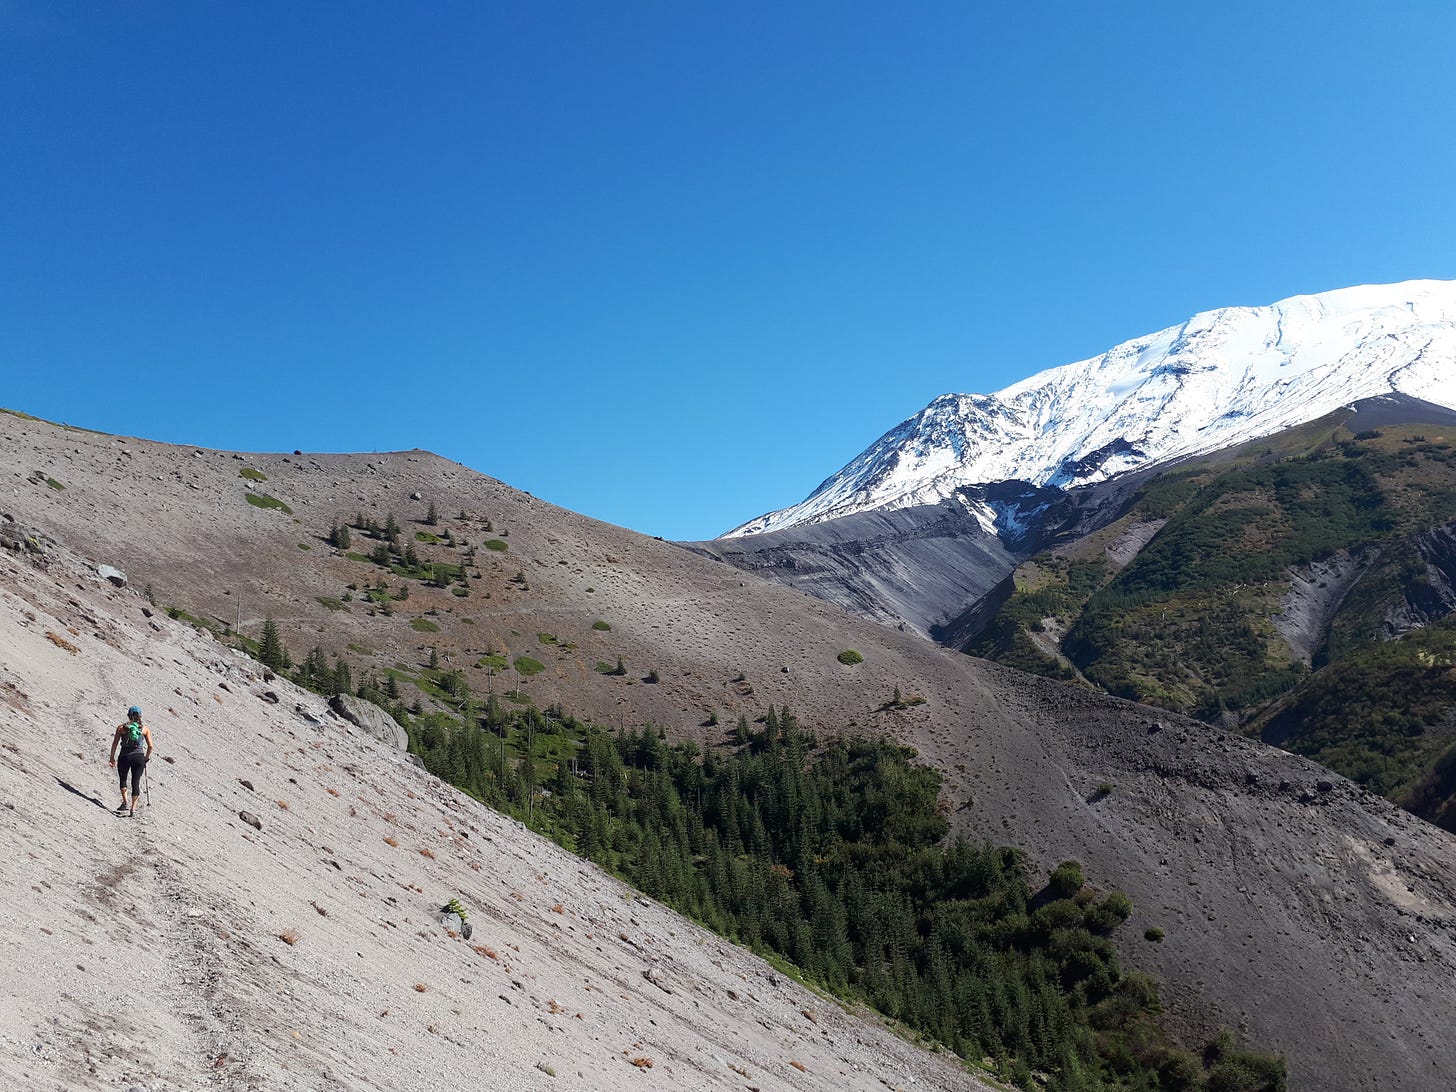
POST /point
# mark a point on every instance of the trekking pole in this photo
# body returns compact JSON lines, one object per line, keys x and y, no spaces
{"x":147,"y":785}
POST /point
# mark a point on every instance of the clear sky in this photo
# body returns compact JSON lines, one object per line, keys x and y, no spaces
{"x":672,"y":263}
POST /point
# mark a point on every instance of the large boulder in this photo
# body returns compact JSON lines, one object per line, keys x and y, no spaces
{"x":371,"y":718}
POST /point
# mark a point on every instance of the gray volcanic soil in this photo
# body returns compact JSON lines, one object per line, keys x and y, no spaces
{"x":1286,"y":911}
{"x":183,"y":948}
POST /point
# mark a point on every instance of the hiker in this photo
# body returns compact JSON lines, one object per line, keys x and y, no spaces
{"x":129,"y":737}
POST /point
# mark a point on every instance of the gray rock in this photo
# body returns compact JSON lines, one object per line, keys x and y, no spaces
{"x":371,"y":718}
{"x":115,"y":575}
{"x":251,"y":819}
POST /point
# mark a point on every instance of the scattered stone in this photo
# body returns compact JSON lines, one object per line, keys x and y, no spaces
{"x":114,"y":575}
{"x":1324,"y":786}
{"x":371,"y":718}
{"x":245,"y":784}
{"x":251,"y":819}
{"x":270,"y":696}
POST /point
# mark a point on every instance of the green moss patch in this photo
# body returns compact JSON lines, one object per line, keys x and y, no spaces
{"x":423,"y":625}
{"x":528,"y":666}
{"x":263,"y":500}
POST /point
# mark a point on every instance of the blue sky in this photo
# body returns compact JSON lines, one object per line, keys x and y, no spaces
{"x":671,"y":263}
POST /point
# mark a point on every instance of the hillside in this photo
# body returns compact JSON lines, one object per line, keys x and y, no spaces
{"x":1286,"y":585}
{"x":184,"y":947}
{"x":1314,"y":915}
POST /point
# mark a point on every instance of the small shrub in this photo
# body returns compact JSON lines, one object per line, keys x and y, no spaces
{"x":849,"y":657}
{"x":1154,"y":934}
{"x":496,"y":545}
{"x":423,"y":625}
{"x":330,"y":602}
{"x":602,"y":627}
{"x":263,"y":500}
{"x":420,"y":987}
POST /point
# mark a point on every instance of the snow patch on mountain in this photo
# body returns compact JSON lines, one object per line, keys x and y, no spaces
{"x":1221,"y":378}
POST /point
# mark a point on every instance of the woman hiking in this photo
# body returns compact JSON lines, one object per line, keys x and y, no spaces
{"x":130,"y":737}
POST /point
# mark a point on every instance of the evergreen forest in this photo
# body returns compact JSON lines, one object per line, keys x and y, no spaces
{"x":832,"y":859}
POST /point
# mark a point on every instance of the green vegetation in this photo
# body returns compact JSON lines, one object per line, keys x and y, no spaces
{"x":252,"y":475}
{"x":263,"y":500}
{"x":271,"y":652}
{"x":547,"y":638}
{"x":331,"y":603}
{"x":1189,"y":624}
{"x":849,"y":657}
{"x":495,"y":661}
{"x":528,"y":666}
{"x":1382,"y":717}
{"x":600,"y":625}
{"x":1154,"y":934}
{"x":497,"y":545}
{"x":423,"y":625}
{"x":831,"y":860}
{"x":54,"y":484}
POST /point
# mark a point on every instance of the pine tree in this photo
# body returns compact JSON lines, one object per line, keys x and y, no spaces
{"x":434,"y":658}
{"x":411,"y":556}
{"x":432,"y":517}
{"x":270,"y":650}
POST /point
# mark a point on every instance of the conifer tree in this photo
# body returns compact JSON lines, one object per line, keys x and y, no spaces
{"x":270,"y":649}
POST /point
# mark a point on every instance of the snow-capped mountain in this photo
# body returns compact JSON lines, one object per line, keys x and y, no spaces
{"x":1220,"y":379}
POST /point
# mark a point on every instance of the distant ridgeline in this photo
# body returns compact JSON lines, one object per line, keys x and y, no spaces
{"x":1303,"y":588}
{"x":830,"y":860}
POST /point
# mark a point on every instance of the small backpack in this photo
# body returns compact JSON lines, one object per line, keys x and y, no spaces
{"x":131,"y":735}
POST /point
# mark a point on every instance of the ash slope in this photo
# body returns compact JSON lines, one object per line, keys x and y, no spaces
{"x":1222,"y":378}
{"x":151,"y":951}
{"x":1284,"y":907}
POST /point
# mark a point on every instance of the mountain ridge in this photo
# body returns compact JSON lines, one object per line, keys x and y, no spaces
{"x":1284,"y":904}
{"x":1221,"y":378}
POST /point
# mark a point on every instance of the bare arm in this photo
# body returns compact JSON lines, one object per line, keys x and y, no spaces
{"x":147,"y":735}
{"x":115,"y":739}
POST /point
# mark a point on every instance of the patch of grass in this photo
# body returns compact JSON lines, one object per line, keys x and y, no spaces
{"x":603,"y":627}
{"x":1154,"y":934}
{"x":423,"y":625}
{"x":330,"y":602}
{"x":263,"y":500}
{"x":252,"y":475}
{"x":425,"y":536}
{"x":528,"y":667}
{"x":304,"y":546}
{"x":496,"y":545}
{"x":849,"y":657}
{"x":54,"y":484}
{"x":547,"y":638}
{"x":604,"y":668}
{"x":495,"y":660}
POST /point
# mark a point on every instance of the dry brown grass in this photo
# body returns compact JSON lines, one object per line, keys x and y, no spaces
{"x":425,"y":852}
{"x":290,"y":936}
{"x":390,"y":840}
{"x":420,"y":987}
{"x":60,"y":642}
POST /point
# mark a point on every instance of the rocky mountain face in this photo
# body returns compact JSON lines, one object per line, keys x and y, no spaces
{"x":1293,"y":903}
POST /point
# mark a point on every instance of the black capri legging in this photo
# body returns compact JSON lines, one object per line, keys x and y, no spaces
{"x":136,"y":762}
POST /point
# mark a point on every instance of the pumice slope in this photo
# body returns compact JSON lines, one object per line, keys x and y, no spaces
{"x":188,"y":948}
{"x":1319,"y":919}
